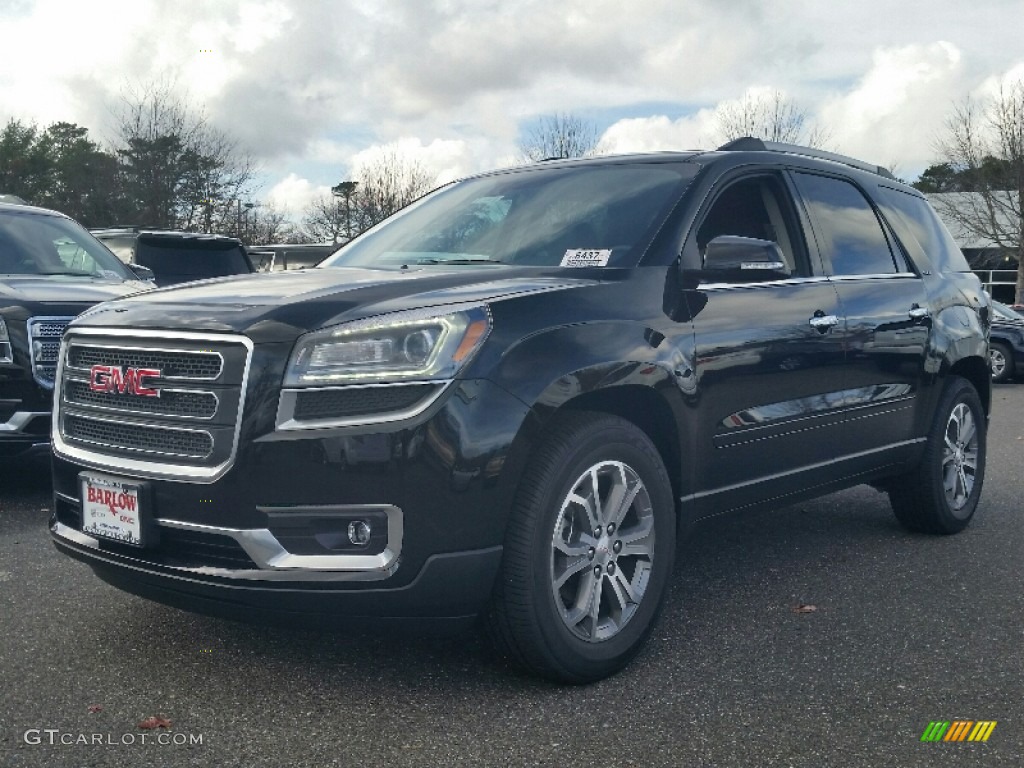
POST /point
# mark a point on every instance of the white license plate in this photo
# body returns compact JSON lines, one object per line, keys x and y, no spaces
{"x":110,"y":508}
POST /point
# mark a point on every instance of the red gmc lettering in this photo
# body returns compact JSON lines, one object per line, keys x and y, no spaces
{"x":114,"y":378}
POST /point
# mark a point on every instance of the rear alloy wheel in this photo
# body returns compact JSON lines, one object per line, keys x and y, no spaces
{"x":941,"y":494}
{"x":588,"y":552}
{"x":1000,"y":360}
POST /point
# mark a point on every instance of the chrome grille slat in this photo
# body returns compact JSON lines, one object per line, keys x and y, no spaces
{"x":191,"y":404}
{"x":175,"y":364}
{"x":130,"y":436}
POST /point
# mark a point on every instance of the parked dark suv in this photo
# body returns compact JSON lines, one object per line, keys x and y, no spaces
{"x":50,"y":270}
{"x":177,"y":257}
{"x":1006,"y":347}
{"x":512,"y":397}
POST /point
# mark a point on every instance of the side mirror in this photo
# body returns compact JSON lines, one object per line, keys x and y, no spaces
{"x":745,"y":258}
{"x":143,"y":273}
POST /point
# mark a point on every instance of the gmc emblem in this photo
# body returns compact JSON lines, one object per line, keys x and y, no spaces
{"x":114,"y":378}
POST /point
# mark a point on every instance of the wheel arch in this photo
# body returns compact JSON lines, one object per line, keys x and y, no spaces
{"x":979,"y":374}
{"x":649,"y":411}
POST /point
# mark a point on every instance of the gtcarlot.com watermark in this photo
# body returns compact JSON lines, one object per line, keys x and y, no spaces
{"x":55,"y":737}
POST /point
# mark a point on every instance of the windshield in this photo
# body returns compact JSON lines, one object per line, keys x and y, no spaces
{"x":600,"y":214}
{"x":41,"y":244}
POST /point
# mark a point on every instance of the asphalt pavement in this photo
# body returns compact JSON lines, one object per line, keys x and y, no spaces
{"x":906,"y":630}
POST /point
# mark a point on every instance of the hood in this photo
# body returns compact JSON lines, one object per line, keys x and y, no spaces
{"x":61,"y":289}
{"x":280,"y":306}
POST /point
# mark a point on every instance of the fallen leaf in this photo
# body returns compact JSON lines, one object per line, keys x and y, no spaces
{"x":94,"y":708}
{"x":804,"y":608}
{"x":155,"y":721}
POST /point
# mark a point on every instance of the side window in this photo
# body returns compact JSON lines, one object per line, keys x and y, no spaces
{"x":756,"y":207}
{"x":922,"y":232}
{"x":846,"y":227}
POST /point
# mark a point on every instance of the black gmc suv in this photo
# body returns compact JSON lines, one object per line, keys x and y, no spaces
{"x":513,"y":396}
{"x":50,"y":270}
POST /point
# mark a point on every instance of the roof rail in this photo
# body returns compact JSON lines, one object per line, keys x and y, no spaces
{"x":751,"y":144}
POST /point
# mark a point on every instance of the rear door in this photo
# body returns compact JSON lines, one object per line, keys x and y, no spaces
{"x":887,"y":318}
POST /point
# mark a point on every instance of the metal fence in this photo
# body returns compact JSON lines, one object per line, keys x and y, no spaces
{"x":1000,"y":283}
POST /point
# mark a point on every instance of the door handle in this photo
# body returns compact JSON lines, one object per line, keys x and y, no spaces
{"x":918,"y":313}
{"x":823,"y":323}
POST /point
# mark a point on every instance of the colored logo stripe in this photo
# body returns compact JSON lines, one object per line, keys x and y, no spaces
{"x":982,"y":730}
{"x":935,"y":730}
{"x":958,"y":730}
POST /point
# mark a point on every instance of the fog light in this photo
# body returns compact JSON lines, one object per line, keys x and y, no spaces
{"x":359,"y":532}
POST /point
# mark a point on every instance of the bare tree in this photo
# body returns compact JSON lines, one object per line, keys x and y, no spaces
{"x":561,"y":135}
{"x":388,"y":184}
{"x":769,"y":116}
{"x":381,"y":187}
{"x":324,"y":220}
{"x":983,"y":145}
{"x":267,"y":224}
{"x":176,"y":170}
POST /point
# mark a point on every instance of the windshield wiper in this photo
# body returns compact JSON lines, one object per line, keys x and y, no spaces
{"x":62,"y":272}
{"x":457,"y":261}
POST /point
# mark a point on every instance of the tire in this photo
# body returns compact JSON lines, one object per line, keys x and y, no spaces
{"x":1000,"y":359}
{"x":941,"y":494}
{"x":543,"y":612}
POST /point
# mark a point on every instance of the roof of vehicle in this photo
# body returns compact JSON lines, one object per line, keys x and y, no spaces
{"x":29,"y":209}
{"x":746,"y":145}
{"x":162,"y":233}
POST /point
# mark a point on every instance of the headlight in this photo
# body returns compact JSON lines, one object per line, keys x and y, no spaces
{"x":5,"y":344}
{"x":415,"y":344}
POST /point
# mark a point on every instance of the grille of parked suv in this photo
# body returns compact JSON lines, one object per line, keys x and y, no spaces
{"x":44,"y":342}
{"x":179,"y":415}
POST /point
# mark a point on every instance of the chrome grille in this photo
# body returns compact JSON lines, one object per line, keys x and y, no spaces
{"x":44,"y":342}
{"x":189,"y":429}
{"x":129,"y":436}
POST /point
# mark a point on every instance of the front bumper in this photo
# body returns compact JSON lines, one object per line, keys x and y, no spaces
{"x":266,"y":540}
{"x":25,"y":433}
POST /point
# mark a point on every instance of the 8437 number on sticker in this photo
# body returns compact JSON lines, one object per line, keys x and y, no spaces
{"x":110,"y":509}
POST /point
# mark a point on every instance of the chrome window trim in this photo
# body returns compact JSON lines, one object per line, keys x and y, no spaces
{"x":274,"y":561}
{"x":29,"y":325}
{"x":143,"y":469}
{"x":806,"y":280}
{"x":286,"y":421}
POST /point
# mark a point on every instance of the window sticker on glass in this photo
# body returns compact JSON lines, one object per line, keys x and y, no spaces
{"x":580,"y":257}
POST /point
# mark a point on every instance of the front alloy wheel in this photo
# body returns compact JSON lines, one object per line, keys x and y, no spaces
{"x":602,"y":551}
{"x":588,"y":550}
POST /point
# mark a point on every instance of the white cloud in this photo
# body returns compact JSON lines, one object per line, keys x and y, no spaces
{"x":292,"y":194}
{"x":303,"y":83}
{"x":656,"y":133}
{"x":896,"y":110}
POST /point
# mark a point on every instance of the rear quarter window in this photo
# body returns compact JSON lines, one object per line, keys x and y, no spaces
{"x":921,"y":231}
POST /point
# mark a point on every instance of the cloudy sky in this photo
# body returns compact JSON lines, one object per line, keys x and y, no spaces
{"x":312,"y":88}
